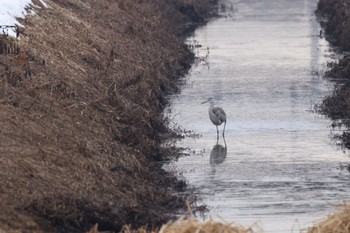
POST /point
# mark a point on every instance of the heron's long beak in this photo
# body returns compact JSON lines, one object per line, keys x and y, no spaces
{"x":205,"y":102}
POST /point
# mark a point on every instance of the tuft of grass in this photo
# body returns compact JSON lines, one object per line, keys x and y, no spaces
{"x":338,"y":222}
{"x":193,"y":226}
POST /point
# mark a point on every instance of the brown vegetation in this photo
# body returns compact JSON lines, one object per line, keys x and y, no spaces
{"x":335,"y":19}
{"x":80,"y":126}
{"x":192,"y":226}
{"x":337,"y":13}
{"x":338,"y":222}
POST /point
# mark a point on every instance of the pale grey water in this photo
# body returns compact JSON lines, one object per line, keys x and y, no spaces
{"x":280,"y":168}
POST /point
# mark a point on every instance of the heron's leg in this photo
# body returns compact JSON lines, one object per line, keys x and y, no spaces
{"x":217,"y":132}
{"x":224,"y":142}
{"x":223,"y":132}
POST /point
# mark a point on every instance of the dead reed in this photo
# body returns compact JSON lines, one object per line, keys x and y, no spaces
{"x":80,"y":122}
{"x":338,"y":222}
{"x":192,"y":226}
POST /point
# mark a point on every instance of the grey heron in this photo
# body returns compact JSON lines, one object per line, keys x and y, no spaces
{"x":217,"y":115}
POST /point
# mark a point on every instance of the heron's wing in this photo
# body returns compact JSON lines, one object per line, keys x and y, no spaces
{"x":219,"y":112}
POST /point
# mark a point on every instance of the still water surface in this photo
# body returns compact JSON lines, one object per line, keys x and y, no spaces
{"x":280,"y":167}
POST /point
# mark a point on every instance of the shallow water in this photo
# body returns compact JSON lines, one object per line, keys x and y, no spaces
{"x":280,"y":167}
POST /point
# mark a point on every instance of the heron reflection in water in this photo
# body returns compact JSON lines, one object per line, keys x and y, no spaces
{"x":217,"y":116}
{"x":218,"y":153}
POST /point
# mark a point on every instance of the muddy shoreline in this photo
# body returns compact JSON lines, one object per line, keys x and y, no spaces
{"x":334,"y":17}
{"x":81,"y":127}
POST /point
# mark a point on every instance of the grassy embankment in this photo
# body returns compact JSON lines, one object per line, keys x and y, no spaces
{"x":81,"y":97}
{"x":335,"y":19}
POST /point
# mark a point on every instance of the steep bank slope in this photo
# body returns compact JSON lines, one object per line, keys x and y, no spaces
{"x":81,"y":95}
{"x":337,"y":31}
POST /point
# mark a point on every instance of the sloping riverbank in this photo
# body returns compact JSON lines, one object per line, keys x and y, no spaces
{"x":335,"y":19}
{"x":81,"y":95}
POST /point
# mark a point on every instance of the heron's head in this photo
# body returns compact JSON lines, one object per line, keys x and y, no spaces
{"x":210,"y":100}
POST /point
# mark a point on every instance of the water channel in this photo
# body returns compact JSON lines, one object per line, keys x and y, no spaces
{"x":280,"y":168}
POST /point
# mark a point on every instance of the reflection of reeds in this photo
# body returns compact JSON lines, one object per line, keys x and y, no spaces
{"x":338,"y":222}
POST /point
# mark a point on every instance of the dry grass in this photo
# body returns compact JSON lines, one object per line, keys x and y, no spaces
{"x":189,"y":226}
{"x":80,"y":122}
{"x":337,"y":25}
{"x":338,"y":222}
{"x":192,"y":226}
{"x":337,"y":28}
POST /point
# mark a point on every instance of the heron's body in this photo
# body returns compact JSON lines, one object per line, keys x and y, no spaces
{"x":217,"y":115}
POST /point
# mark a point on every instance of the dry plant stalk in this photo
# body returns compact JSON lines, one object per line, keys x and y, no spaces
{"x":338,"y":222}
{"x":192,"y":226}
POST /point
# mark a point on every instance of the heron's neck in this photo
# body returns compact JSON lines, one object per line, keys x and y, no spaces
{"x":211,"y":105}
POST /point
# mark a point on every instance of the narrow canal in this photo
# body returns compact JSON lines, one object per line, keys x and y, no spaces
{"x":279,"y":167}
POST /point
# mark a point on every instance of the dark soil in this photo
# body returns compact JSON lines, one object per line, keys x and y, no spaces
{"x":334,"y":16}
{"x":81,"y":96}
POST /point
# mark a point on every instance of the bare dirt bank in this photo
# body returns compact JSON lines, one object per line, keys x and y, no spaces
{"x":335,"y":19}
{"x":81,"y":95}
